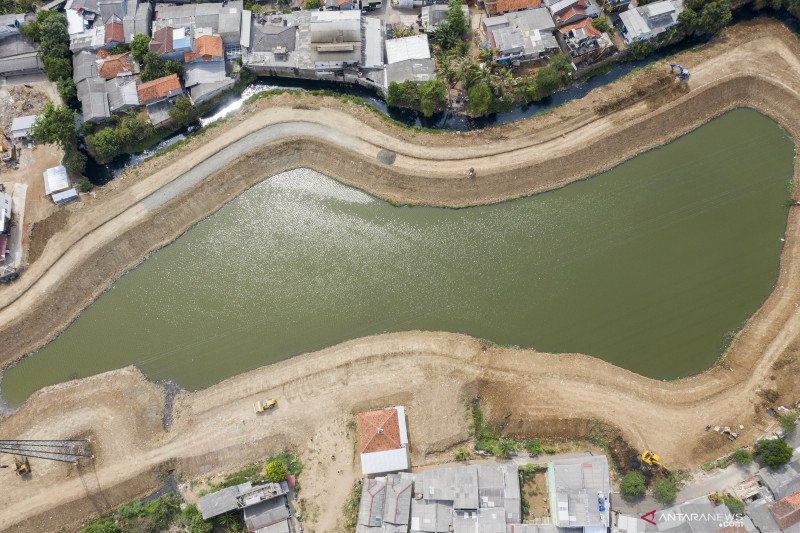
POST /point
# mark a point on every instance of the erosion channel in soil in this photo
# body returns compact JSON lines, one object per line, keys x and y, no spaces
{"x":651,"y":266}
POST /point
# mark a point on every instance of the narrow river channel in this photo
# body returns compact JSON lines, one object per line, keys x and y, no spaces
{"x":651,"y":266}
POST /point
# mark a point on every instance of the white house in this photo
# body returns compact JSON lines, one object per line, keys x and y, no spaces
{"x":644,"y":23}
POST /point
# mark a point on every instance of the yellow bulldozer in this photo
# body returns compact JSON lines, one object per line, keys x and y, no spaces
{"x":265,"y":405}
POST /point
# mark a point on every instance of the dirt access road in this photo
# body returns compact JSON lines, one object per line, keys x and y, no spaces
{"x":754,"y":64}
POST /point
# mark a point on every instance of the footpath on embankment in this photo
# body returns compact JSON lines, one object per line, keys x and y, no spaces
{"x":755,"y":64}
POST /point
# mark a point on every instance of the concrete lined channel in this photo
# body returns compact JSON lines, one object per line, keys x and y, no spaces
{"x":651,"y":266}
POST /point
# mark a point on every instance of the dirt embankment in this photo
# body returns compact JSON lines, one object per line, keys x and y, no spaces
{"x":755,"y":65}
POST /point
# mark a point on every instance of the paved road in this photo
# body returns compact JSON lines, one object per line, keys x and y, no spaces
{"x":728,"y":478}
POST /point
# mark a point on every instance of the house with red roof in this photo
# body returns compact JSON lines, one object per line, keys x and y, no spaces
{"x":159,"y":96}
{"x":114,"y":32}
{"x":383,"y":440}
{"x":583,"y":42}
{"x":111,"y":66}
{"x":787,"y":512}
{"x":206,"y":48}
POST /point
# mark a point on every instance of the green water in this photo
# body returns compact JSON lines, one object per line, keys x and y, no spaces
{"x":649,"y":266}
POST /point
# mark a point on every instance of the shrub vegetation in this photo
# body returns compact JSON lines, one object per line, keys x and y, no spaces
{"x":773,"y":452}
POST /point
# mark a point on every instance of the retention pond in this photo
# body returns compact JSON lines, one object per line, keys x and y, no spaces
{"x":652,"y":266}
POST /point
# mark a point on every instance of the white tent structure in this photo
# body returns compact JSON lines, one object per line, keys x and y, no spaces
{"x":55,"y":180}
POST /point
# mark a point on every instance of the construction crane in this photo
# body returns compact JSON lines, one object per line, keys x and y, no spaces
{"x":681,"y":72}
{"x":67,"y":451}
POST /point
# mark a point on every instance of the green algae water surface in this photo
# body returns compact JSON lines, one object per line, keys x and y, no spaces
{"x":651,"y":266}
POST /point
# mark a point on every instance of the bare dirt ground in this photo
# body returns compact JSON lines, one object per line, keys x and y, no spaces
{"x":754,"y":64}
{"x":18,"y":98}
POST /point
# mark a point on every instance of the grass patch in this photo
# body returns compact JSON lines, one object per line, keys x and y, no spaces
{"x":254,"y":472}
{"x":486,"y":435}
{"x":160,"y":514}
{"x":350,"y":509}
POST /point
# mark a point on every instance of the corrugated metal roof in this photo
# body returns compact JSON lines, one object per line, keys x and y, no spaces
{"x":784,"y":480}
{"x":205,"y":91}
{"x":247,"y":20}
{"x":405,"y":48}
{"x":55,"y":179}
{"x":222,"y":501}
{"x":14,"y":45}
{"x":84,"y":65}
{"x":95,"y":107}
{"x":159,"y":111}
{"x":372,"y":53}
{"x":266,"y":513}
{"x":412,"y":69}
{"x":122,"y":94}
{"x":12,"y":19}
{"x":20,"y":126}
{"x":576,"y":483}
{"x":65,"y":196}
{"x":205,"y":72}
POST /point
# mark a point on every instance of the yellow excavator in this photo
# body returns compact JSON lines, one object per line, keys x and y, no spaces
{"x":21,"y":465}
{"x":651,"y":461}
{"x":6,"y":149}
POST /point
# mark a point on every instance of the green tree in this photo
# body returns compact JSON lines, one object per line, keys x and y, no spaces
{"x":479,"y":99}
{"x":85,"y":185}
{"x":108,"y":143}
{"x":405,"y":94}
{"x":155,"y":66}
{"x":183,"y":113}
{"x":665,"y":490}
{"x":602,"y":24}
{"x":54,"y":125}
{"x":33,"y":29}
{"x":632,"y":486}
{"x":714,"y":16}
{"x":312,"y":4}
{"x":140,"y":46}
{"x":58,"y":68}
{"x":788,"y":423}
{"x":74,"y":161}
{"x":68,"y":92}
{"x":12,"y":7}
{"x":55,"y":37}
{"x":688,"y":20}
{"x":432,"y":97}
{"x":547,"y":81}
{"x":705,"y":16}
{"x":773,"y":452}
{"x":454,"y":28}
{"x":276,"y":471}
{"x":640,"y":49}
{"x":734,"y":505}
{"x":742,"y":456}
